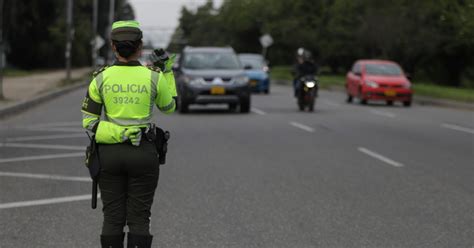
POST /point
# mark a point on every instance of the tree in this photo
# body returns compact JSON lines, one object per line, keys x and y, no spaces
{"x":36,"y":31}
{"x":431,"y":39}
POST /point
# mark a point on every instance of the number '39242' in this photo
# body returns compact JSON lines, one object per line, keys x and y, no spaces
{"x":126,"y":100}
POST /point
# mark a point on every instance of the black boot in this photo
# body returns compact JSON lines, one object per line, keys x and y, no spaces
{"x":139,"y":241}
{"x":112,"y":241}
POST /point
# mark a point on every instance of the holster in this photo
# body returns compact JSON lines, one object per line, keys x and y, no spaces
{"x":160,"y":138}
{"x":92,"y":163}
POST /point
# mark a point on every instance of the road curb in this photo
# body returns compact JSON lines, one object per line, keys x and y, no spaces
{"x":24,"y":105}
{"x":421,"y":100}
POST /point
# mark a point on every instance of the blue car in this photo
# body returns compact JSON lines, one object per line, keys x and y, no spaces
{"x":257,"y":71}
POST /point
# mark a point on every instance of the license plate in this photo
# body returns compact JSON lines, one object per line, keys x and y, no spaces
{"x":253,"y":82}
{"x":217,"y":90}
{"x":390,"y":93}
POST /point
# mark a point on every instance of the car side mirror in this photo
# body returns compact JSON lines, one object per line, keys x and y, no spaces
{"x":408,"y":76}
{"x":358,"y":73}
{"x":247,"y":67}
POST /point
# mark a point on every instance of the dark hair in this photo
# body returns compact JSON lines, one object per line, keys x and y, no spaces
{"x":127,"y":48}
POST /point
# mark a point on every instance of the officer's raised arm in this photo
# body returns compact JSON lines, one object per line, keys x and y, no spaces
{"x":164,"y":100}
{"x":164,"y":61}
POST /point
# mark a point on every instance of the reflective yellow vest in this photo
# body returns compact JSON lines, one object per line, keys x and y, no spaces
{"x":127,"y":93}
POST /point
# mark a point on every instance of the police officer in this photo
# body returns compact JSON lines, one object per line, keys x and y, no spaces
{"x":129,"y":170}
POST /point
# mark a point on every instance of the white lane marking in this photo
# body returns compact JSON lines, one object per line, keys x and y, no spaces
{"x":258,"y":111}
{"x":42,"y":157}
{"x":47,"y":137}
{"x":45,"y":176}
{"x":380,"y":157}
{"x":330,"y":103}
{"x":458,"y":128}
{"x":43,"y":146}
{"x":382,"y":113}
{"x":302,"y":126}
{"x":45,"y":201}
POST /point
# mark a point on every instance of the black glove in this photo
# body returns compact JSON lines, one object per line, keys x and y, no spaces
{"x":159,"y":57}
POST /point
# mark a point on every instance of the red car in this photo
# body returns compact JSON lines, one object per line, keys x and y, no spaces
{"x":378,"y":80}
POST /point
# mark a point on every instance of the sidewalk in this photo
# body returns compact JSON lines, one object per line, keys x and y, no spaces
{"x":23,"y":88}
{"x":23,"y":93}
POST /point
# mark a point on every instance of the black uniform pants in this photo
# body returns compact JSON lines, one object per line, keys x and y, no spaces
{"x":128,"y":179}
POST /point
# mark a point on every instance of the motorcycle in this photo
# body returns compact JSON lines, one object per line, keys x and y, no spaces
{"x":307,"y":92}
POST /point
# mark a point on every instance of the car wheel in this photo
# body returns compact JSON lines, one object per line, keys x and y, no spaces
{"x":389,"y":103}
{"x":349,"y":98}
{"x":183,"y":106}
{"x":245,"y":105}
{"x":266,"y":91}
{"x":407,"y":103}
{"x":361,"y":97}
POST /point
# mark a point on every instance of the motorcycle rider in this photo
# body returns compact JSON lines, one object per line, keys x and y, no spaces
{"x":305,"y":66}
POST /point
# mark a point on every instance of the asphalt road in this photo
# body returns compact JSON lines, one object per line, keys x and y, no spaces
{"x":346,"y":175}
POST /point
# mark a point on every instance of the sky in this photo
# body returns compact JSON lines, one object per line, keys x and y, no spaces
{"x":159,"y":18}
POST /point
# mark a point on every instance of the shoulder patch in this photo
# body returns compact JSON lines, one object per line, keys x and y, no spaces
{"x":99,"y":70}
{"x":154,"y":68}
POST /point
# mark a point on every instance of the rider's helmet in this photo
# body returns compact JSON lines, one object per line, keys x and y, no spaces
{"x":300,"y":52}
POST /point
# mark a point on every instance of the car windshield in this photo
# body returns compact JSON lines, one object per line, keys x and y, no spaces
{"x":211,"y":60}
{"x":383,"y":69}
{"x":253,"y":62}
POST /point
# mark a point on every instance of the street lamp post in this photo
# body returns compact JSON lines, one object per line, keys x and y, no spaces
{"x":69,"y":14}
{"x":111,"y":21}
{"x":1,"y":50}
{"x":95,"y":13}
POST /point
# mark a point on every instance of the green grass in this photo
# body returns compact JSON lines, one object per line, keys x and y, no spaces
{"x":328,"y":81}
{"x":444,"y":92}
{"x":282,"y":75}
{"x":22,"y":73}
{"x":16,"y":73}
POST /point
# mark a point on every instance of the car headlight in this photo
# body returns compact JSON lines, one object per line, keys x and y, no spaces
{"x":372,"y":84}
{"x":310,"y":84}
{"x":197,"y":81}
{"x":242,"y":80}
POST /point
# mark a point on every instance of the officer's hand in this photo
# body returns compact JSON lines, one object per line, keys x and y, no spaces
{"x":134,"y":134}
{"x":159,"y":57}
{"x":169,"y":63}
{"x":136,"y":138}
